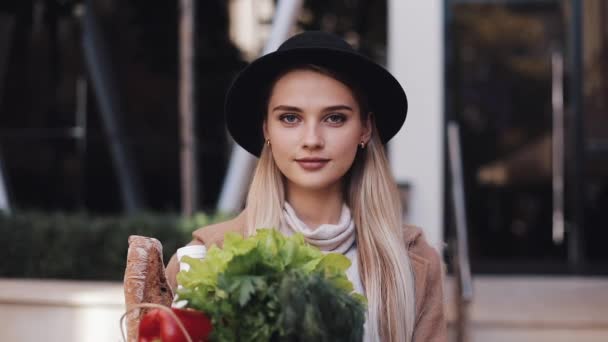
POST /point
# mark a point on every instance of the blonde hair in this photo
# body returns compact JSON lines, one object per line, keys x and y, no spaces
{"x":384,"y":264}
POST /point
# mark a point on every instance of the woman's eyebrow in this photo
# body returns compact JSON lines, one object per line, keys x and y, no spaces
{"x":287,"y":108}
{"x":296,"y":109}
{"x":339,"y":107}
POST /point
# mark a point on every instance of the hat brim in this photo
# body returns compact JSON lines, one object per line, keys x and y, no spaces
{"x":244,"y":106}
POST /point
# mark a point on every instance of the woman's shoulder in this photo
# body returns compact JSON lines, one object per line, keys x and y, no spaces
{"x":213,"y":234}
{"x":417,"y":244}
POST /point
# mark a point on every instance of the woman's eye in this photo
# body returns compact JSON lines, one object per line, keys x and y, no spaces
{"x":289,"y":118}
{"x":336,"y":118}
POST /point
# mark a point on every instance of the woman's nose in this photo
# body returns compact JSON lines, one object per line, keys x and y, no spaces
{"x":312,"y":137}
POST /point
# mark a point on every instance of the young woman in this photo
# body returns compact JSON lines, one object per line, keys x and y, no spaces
{"x":317,"y":114}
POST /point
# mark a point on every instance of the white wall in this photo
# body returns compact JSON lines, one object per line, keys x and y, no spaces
{"x":60,"y":311}
{"x":247,"y":28}
{"x":415,"y":57}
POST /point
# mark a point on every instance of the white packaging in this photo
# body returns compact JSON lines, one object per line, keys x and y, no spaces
{"x":193,"y":251}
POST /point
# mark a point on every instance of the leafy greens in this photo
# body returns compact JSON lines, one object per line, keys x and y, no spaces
{"x":269,"y":287}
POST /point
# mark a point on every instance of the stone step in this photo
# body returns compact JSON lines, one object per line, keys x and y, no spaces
{"x":535,"y":308}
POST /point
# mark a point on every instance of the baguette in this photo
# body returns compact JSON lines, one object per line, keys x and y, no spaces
{"x":145,"y":280}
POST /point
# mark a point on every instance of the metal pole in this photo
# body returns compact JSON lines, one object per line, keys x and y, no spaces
{"x":187,"y":106}
{"x":241,"y":162}
{"x":557,"y":102}
{"x":110,"y":110}
{"x":4,"y":198}
{"x":7,"y":25}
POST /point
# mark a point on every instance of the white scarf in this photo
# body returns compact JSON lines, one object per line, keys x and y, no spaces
{"x":336,"y":238}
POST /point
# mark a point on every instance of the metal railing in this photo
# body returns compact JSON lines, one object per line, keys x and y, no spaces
{"x":460,"y":245}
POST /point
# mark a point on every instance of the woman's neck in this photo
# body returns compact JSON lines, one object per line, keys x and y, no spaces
{"x":316,"y":207}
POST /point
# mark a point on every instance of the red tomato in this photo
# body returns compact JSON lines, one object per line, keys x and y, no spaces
{"x":159,"y":325}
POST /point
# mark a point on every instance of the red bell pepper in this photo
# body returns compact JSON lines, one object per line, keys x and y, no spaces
{"x":158,"y":325}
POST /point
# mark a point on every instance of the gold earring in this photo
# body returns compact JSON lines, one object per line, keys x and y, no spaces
{"x":362,"y":144}
{"x":268,"y":142}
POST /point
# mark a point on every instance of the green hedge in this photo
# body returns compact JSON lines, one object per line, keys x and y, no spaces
{"x":79,"y":246}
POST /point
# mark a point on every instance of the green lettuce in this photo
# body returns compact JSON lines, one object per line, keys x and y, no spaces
{"x":269,"y":287}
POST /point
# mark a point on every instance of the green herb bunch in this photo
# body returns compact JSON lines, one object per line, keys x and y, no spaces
{"x":269,"y":287}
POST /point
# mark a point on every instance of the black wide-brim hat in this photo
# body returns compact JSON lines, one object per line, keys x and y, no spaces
{"x":246,"y":98}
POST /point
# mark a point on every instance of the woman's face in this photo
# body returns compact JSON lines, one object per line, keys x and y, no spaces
{"x":314,"y":127}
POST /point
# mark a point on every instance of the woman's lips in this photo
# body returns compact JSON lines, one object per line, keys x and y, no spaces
{"x":312,"y":164}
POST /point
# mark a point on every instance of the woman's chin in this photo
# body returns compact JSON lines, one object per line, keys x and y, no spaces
{"x":312,"y":183}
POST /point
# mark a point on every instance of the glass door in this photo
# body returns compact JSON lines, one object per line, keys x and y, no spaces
{"x":516,"y":85}
{"x":594,"y":132}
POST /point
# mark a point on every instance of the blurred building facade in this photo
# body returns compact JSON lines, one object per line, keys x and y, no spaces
{"x":489,"y":66}
{"x":526,"y":81}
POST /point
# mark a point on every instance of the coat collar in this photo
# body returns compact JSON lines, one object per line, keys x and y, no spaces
{"x":214,"y":234}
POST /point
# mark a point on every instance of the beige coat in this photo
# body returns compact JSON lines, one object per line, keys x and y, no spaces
{"x":426,"y":263}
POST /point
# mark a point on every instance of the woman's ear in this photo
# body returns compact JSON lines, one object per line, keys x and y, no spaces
{"x":367,"y":129}
{"x":265,"y":130}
